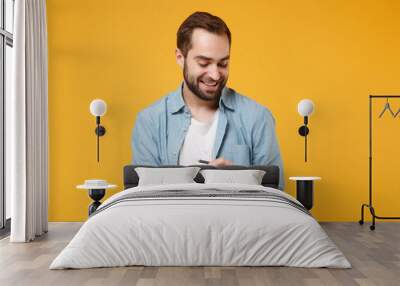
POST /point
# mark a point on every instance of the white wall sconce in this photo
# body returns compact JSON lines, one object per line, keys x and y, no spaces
{"x":98,"y":108}
{"x":305,"y":109}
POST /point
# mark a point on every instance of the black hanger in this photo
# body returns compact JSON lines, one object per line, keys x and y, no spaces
{"x":387,"y":107}
{"x":398,"y":112}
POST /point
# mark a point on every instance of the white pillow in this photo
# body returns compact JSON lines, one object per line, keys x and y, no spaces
{"x":249,"y":177}
{"x":164,"y":176}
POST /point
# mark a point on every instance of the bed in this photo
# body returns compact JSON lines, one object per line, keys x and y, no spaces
{"x":201,"y":224}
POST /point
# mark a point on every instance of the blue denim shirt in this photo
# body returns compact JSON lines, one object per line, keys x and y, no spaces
{"x":245,"y":132}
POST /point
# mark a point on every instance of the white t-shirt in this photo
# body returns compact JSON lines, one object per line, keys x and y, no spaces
{"x":199,"y":141}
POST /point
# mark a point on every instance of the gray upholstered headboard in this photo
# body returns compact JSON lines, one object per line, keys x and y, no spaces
{"x":270,"y":179}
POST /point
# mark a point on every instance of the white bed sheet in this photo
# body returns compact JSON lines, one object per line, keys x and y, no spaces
{"x":202,"y":232}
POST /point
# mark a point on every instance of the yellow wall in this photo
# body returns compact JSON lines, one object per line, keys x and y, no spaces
{"x":333,"y":52}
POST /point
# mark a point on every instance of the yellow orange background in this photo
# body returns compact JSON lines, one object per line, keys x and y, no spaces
{"x":335,"y":52}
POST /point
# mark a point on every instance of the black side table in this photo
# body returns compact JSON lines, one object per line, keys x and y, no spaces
{"x":97,"y":190}
{"x":96,"y":195}
{"x":305,"y":190}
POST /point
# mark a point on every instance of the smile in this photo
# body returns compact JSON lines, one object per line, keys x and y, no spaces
{"x":209,"y":84}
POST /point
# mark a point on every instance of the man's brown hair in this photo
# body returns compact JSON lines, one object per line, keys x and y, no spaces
{"x":202,"y":20}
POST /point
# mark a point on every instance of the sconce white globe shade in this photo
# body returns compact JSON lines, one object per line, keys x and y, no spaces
{"x":305,"y":107}
{"x":98,"y":107}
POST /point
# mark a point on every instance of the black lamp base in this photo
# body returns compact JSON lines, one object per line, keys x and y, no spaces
{"x":100,"y":130}
{"x":303,"y":130}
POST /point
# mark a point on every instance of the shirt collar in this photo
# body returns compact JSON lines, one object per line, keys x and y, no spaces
{"x":176,"y":102}
{"x":228,"y":98}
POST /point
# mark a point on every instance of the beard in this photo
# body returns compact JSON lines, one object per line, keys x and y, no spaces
{"x":193,"y":85}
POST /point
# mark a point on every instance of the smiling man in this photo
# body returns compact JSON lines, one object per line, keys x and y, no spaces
{"x":203,"y":119}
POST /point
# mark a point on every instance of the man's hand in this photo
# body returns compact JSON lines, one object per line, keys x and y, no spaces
{"x":219,"y":162}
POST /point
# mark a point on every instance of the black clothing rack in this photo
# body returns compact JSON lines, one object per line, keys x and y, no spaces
{"x":370,"y":205}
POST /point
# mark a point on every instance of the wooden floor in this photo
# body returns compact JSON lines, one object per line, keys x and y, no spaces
{"x":375,"y":256}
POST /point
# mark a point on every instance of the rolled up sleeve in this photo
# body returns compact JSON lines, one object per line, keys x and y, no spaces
{"x":266,"y":148}
{"x":144,"y":145}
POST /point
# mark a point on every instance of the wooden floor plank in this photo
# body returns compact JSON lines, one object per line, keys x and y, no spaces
{"x":374,"y":255}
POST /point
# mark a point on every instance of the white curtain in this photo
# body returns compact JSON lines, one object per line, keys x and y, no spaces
{"x":27,"y":123}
